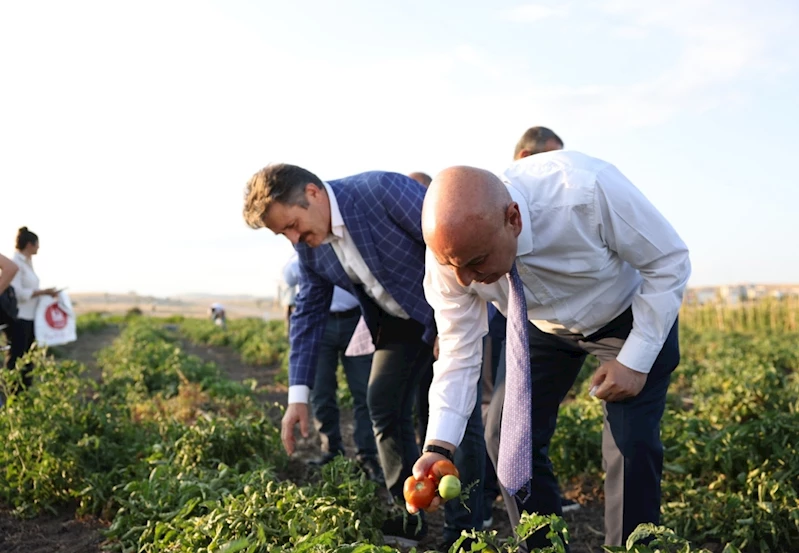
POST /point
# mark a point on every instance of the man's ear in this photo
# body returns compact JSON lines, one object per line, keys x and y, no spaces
{"x":312,"y":191}
{"x":513,"y":217}
{"x":522,"y":154}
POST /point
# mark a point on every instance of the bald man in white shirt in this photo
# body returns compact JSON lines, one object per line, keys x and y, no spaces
{"x":603,"y":273}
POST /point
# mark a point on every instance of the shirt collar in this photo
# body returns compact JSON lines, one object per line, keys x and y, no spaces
{"x":524,"y":244}
{"x":336,"y":220}
{"x":20,"y":257}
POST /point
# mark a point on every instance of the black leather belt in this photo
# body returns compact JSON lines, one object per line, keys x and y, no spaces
{"x":346,"y":314}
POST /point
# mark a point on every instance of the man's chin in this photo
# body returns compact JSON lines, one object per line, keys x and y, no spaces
{"x":491,"y":279}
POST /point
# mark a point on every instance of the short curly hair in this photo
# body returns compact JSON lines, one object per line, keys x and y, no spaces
{"x":277,"y":183}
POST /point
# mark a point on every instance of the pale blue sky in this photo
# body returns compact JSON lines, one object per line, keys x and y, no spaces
{"x":128,"y":129}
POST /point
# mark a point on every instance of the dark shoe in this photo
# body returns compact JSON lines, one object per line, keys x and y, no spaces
{"x":371,"y":467}
{"x":404,"y":530}
{"x":326,"y":458}
{"x":569,"y":506}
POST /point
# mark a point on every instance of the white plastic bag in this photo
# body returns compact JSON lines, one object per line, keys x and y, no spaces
{"x":54,"y":323}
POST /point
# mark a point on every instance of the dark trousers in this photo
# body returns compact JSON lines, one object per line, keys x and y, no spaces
{"x":19,"y":336}
{"x":632,"y":452}
{"x":399,"y":359}
{"x":492,"y":347}
{"x":338,"y":333}
{"x":423,"y":404}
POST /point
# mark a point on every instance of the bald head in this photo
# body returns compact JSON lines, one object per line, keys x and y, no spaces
{"x":467,"y":213}
{"x":461,"y":198}
{"x":422,"y":178}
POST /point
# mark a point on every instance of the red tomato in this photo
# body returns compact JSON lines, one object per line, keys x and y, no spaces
{"x":419,"y":493}
{"x":442,"y":468}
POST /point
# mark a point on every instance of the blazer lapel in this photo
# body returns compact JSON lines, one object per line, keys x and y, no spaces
{"x":360,"y":230}
{"x":330,"y":266}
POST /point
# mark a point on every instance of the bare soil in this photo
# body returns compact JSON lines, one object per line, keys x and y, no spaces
{"x":61,"y":533}
{"x":64,"y":533}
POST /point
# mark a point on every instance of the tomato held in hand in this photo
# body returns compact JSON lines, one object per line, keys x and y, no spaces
{"x":442,"y":468}
{"x":419,"y":493}
{"x":449,"y":487}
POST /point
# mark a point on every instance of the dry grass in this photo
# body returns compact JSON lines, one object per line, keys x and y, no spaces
{"x":769,"y":314}
{"x":119,"y":304}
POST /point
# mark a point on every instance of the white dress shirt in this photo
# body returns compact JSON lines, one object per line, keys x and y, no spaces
{"x":590,"y":246}
{"x":353,"y":263}
{"x":25,"y":283}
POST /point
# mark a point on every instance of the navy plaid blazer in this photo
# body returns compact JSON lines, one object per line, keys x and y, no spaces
{"x":383,"y":214}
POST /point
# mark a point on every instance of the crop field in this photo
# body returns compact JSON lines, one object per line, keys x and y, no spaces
{"x":162,"y":435}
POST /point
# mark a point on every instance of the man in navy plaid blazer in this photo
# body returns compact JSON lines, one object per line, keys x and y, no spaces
{"x":362,"y":233}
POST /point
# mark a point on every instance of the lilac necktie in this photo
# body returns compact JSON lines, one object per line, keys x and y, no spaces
{"x":515,"y":464}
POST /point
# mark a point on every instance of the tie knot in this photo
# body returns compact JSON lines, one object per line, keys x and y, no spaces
{"x":514,"y":278}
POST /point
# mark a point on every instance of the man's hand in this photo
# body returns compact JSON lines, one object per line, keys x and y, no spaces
{"x":422,"y":467}
{"x":45,"y":292}
{"x":296,"y":412}
{"x":614,"y":382}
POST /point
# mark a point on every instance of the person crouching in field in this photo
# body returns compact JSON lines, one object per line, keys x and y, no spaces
{"x":217,"y":313}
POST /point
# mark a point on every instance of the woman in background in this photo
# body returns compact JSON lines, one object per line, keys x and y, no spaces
{"x":26,"y":287}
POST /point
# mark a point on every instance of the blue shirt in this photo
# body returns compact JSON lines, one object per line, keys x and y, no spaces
{"x":342,"y":300}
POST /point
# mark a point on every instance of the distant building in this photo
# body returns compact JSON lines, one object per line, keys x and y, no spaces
{"x":735,"y":294}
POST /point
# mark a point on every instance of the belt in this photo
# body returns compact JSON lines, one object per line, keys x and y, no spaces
{"x":346,"y":314}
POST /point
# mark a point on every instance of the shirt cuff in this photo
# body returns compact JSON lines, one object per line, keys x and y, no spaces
{"x":446,"y":426}
{"x":299,"y":393}
{"x":638,"y":354}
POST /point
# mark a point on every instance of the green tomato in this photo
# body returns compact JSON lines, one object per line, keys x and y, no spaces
{"x":449,"y":487}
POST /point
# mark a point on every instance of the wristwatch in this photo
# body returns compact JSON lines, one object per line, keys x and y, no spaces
{"x":440,"y":450}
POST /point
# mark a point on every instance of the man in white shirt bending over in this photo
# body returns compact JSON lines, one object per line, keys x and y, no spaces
{"x":602,"y":273}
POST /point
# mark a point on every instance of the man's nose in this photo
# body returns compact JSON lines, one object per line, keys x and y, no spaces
{"x":464,"y":275}
{"x":293,"y":236}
